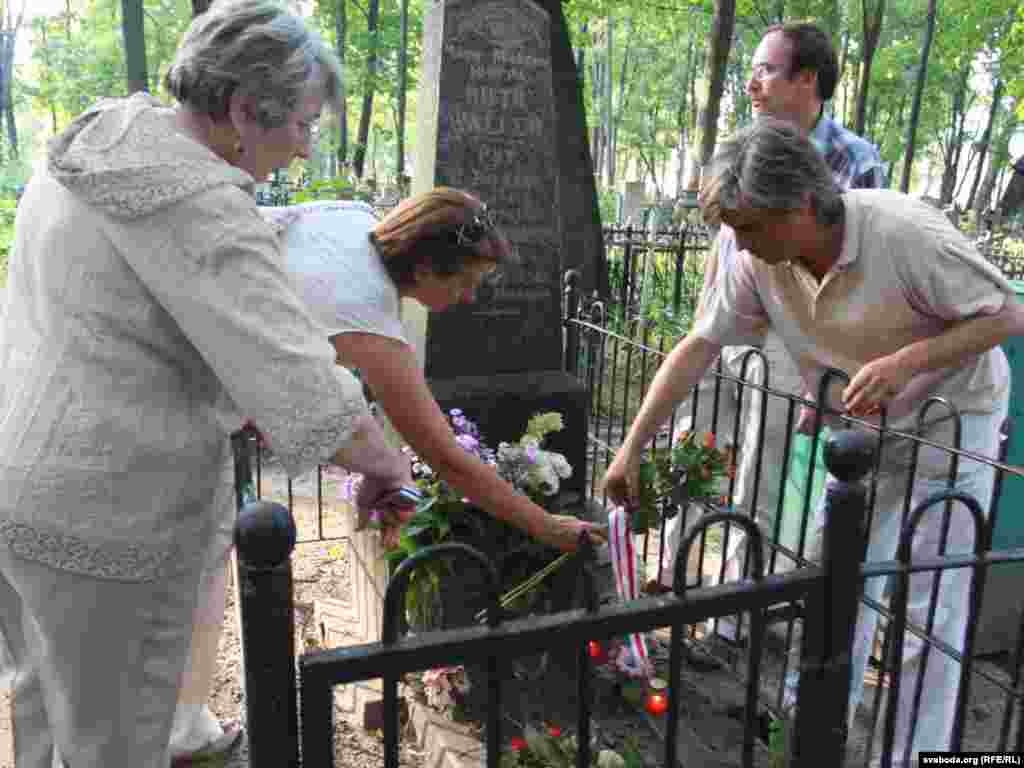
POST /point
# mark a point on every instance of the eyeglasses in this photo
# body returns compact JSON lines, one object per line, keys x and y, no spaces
{"x":764,"y":71}
{"x":310,"y":128}
{"x":474,"y":230}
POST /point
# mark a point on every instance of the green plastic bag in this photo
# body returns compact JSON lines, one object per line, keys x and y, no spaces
{"x":796,"y":487}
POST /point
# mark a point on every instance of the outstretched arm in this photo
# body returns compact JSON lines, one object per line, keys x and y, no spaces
{"x":397,"y":382}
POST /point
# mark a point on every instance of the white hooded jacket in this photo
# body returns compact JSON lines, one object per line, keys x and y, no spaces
{"x":148,"y":313}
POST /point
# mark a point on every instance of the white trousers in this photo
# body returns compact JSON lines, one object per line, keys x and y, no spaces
{"x":97,"y":664}
{"x":934,"y":721}
{"x":194,"y":725}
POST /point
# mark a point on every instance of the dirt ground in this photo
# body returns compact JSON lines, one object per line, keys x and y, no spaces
{"x":317,"y":574}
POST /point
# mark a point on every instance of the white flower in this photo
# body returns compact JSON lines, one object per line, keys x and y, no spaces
{"x":544,"y":478}
{"x":561,"y":465}
{"x":607,"y":758}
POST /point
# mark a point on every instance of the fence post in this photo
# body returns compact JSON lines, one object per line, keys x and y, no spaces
{"x":570,"y":312}
{"x":831,"y":612}
{"x":265,"y":537}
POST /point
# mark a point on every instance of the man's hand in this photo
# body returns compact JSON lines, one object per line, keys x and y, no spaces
{"x":876,"y":384}
{"x":622,"y":480}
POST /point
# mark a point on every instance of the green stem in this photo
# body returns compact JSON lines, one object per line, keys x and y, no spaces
{"x":524,"y":587}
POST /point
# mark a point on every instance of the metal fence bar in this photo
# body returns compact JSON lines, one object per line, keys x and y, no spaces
{"x":523,"y":637}
{"x":824,"y":690}
{"x":394,"y":610}
{"x":265,"y":537}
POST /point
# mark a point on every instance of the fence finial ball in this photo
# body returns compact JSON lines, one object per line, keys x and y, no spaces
{"x":264,"y":534}
{"x":850,"y":454}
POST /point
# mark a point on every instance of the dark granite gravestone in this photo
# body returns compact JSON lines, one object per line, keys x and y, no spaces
{"x":488,"y":123}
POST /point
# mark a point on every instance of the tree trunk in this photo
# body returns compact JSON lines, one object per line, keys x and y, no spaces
{"x":369,"y":87}
{"x":915,"y":107}
{"x":986,"y":137}
{"x":403,"y":79}
{"x":1013,"y":196}
{"x":613,"y":136}
{"x":952,"y":152}
{"x":609,"y":145}
{"x":872,"y":31}
{"x":843,"y":57}
{"x":596,"y":98}
{"x":681,"y":115}
{"x":133,"y":26}
{"x":340,"y":36}
{"x":200,"y":7}
{"x":8,"y":39}
{"x":718,"y":56}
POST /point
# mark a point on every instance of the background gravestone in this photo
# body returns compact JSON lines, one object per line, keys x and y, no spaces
{"x":488,"y":123}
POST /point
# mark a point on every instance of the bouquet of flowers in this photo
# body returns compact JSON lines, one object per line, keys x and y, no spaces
{"x":526,"y":465}
{"x":692,"y":469}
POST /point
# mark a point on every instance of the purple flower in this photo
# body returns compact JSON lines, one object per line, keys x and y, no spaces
{"x":532,"y":454}
{"x":468,"y":443}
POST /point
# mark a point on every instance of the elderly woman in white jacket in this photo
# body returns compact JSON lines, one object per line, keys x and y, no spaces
{"x":148,"y":314}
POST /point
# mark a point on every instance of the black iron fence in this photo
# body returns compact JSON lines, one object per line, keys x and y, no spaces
{"x":655,"y":275}
{"x":780,"y":585}
{"x":265,"y":539}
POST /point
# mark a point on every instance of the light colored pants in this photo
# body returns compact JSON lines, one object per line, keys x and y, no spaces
{"x":97,"y":664}
{"x":933,"y":724}
{"x":194,"y":725}
{"x":934,"y":721}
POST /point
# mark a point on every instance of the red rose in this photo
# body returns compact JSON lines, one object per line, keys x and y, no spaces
{"x":554,"y":731}
{"x":518,"y":743}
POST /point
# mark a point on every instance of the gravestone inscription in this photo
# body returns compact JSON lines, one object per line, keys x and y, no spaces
{"x":488,"y":124}
{"x":495,"y":138}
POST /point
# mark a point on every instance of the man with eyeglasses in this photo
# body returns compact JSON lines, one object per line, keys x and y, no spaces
{"x":793,"y":73}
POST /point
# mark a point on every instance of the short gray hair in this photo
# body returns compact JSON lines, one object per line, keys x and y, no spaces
{"x":769,"y":165}
{"x":256,"y":48}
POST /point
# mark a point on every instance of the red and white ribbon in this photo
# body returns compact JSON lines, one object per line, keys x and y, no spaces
{"x":633,"y":659}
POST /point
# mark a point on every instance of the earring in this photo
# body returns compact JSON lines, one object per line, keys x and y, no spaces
{"x":239,"y":149}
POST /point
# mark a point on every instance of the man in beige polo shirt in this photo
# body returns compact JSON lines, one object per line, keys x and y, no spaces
{"x":882,"y":287}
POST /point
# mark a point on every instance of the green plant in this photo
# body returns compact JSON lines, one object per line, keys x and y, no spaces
{"x":693,"y":468}
{"x":8,"y":210}
{"x":530,"y":469}
{"x":550,"y":747}
{"x":608,"y":204}
{"x":337,"y":188}
{"x":777,"y":743}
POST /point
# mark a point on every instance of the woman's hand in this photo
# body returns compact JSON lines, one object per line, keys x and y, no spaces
{"x":563,"y":532}
{"x":622,"y":480}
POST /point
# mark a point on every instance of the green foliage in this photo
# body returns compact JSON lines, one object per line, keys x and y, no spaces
{"x":8,"y":210}
{"x":549,"y":747}
{"x":693,"y":468}
{"x":337,"y":188}
{"x":777,"y":744}
{"x":654,"y":66}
